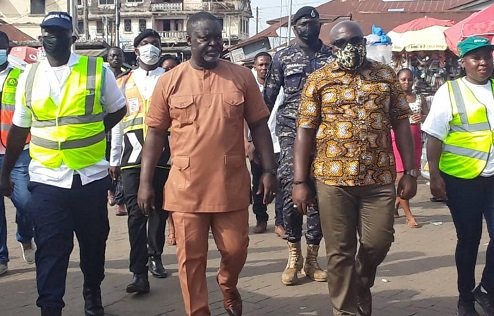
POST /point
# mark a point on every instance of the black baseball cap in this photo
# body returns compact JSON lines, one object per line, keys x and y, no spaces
{"x":57,"y":19}
{"x":308,"y":11}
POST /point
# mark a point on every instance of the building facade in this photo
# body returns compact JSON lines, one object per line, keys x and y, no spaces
{"x":96,"y":19}
{"x":167,"y":17}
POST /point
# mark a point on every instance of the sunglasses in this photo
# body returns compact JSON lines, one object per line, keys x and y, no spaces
{"x":342,"y":42}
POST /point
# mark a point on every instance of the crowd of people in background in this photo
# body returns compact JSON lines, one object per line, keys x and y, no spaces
{"x":331,"y":136}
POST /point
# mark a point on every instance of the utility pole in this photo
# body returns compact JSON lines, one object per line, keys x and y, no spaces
{"x":257,"y":20}
{"x":85,"y":19}
{"x":118,"y":5}
{"x":289,"y":22}
{"x":72,"y":8}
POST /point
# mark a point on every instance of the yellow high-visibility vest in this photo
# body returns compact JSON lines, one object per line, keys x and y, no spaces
{"x":72,"y":132}
{"x":467,"y":147}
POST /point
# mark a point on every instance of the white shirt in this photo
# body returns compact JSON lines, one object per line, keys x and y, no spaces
{"x":145,"y":82}
{"x":437,"y":122}
{"x":272,"y":116}
{"x":112,"y":100}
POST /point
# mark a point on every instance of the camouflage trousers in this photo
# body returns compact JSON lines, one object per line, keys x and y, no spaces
{"x":292,"y":218}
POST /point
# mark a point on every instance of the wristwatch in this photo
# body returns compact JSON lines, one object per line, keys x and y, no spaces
{"x":412,"y":172}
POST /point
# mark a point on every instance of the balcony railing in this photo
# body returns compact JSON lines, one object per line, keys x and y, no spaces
{"x":166,"y":7}
{"x":174,"y":35}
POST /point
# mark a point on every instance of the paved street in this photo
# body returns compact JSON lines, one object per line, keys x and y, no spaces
{"x":417,"y":278}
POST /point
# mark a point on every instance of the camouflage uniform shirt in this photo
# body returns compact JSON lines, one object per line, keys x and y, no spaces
{"x":289,"y":69}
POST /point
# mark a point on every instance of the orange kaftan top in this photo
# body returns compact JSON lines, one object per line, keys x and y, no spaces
{"x":205,"y":111}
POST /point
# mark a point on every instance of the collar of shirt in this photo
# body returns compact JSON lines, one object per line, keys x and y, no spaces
{"x":324,"y":50}
{"x":146,"y":80}
{"x":261,"y":86}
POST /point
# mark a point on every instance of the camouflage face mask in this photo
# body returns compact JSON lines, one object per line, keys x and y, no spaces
{"x":351,"y":57}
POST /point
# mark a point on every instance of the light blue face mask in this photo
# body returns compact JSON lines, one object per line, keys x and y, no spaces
{"x":3,"y":56}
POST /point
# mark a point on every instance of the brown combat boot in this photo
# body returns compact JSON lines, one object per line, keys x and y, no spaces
{"x":294,"y":265}
{"x":311,"y":267}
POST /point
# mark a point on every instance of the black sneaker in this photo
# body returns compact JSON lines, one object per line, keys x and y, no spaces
{"x":485,"y":301}
{"x":466,"y":308}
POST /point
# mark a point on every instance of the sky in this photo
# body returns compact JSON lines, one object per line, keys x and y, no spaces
{"x":271,"y":9}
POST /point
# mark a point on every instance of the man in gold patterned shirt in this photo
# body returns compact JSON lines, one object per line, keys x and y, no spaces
{"x":347,"y":110}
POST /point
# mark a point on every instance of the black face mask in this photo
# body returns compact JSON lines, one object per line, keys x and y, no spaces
{"x":309,"y":35}
{"x":56,"y":46}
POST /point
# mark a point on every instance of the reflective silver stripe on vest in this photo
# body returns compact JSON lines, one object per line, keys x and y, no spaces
{"x":69,"y":144}
{"x":462,"y":111}
{"x":478,"y":127}
{"x":90,"y":85}
{"x":29,"y":87}
{"x":8,"y":107}
{"x":470,"y":153}
{"x":68,"y":120}
{"x":133,"y":122}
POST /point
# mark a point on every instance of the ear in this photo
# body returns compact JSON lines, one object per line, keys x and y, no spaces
{"x":461,"y":61}
{"x":187,"y":37}
{"x":136,"y":51}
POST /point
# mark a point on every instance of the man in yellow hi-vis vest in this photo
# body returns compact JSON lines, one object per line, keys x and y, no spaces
{"x":146,"y":233}
{"x":67,"y":102}
{"x":460,"y":152}
{"x":20,"y":195}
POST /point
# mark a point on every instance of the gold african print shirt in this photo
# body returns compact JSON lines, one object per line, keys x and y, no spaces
{"x":353,"y":113}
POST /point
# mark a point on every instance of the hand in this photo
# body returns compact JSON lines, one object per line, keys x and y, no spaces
{"x":114,"y":172}
{"x":267,"y":187}
{"x":5,"y":186}
{"x":416,"y":117}
{"x":302,"y":197}
{"x":407,"y":187}
{"x":145,"y":199}
{"x":438,"y":187}
{"x":251,"y":151}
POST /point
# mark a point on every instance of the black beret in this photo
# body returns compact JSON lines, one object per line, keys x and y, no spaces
{"x":307,"y":11}
{"x":144,"y":34}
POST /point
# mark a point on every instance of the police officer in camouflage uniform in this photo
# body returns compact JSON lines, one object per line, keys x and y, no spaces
{"x":289,"y":69}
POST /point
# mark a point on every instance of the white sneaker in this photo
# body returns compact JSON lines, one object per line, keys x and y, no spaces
{"x":3,"y":268}
{"x":29,"y":253}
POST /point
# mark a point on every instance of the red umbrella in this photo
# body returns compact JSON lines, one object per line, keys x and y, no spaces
{"x":421,"y":23}
{"x":480,"y":23}
{"x":26,"y":53}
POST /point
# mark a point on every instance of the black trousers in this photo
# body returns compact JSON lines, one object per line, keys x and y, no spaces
{"x":57,"y":213}
{"x":146,"y":233}
{"x":258,"y":207}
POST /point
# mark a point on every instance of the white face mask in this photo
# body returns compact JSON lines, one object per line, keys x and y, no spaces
{"x":149,"y":54}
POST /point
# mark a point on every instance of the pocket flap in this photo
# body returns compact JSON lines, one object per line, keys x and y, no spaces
{"x":181,"y":162}
{"x":233,"y":98}
{"x":181,"y":102}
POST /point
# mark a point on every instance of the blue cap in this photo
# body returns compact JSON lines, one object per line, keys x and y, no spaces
{"x":57,"y":19}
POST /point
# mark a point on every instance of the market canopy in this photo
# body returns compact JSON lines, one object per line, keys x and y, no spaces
{"x":420,"y":34}
{"x":420,"y":24}
{"x":431,"y":38}
{"x":479,"y":24}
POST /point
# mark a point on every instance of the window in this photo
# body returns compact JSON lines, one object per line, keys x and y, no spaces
{"x":104,"y":2}
{"x":142,"y":25}
{"x":37,"y":6}
{"x":80,"y":26}
{"x":127,"y":25}
{"x":221,"y":22}
{"x":166,"y":25}
{"x":134,"y":1}
{"x":99,"y":27}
